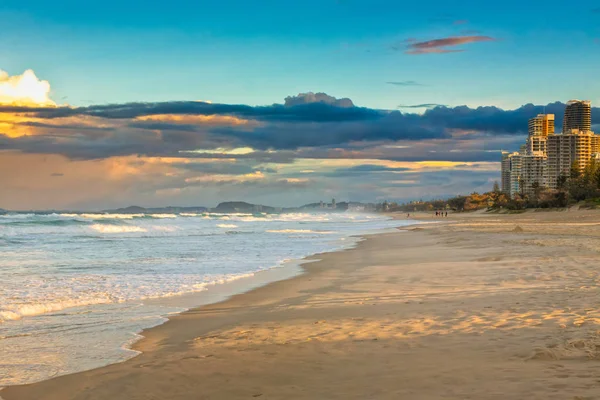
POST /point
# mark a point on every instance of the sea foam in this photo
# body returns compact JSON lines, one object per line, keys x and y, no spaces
{"x":74,"y":287}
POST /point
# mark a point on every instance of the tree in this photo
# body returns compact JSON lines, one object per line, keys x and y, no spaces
{"x":457,"y":203}
{"x":496,"y":187}
{"x":561,"y":182}
{"x":574,"y":172}
{"x":537,"y":190}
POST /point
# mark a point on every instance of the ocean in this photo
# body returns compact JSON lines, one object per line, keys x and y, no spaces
{"x":76,"y":289}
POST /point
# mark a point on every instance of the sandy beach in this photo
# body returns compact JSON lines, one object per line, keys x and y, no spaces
{"x":483,"y":306}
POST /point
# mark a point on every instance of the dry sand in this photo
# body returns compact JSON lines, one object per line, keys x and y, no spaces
{"x":482,"y":307}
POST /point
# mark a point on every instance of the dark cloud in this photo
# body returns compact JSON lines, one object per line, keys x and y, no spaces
{"x":405,"y":83}
{"x":365,"y":169}
{"x":310,"y":97}
{"x":300,"y":111}
{"x":443,"y":45}
{"x":283,"y":133}
{"x":391,"y":126}
{"x":78,"y":127}
{"x":490,"y":119}
{"x":57,"y":175}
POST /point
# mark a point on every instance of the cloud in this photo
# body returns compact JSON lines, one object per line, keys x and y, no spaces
{"x":297,"y":110}
{"x":444,"y":45}
{"x":274,"y":133}
{"x":405,"y":83}
{"x":310,"y":97}
{"x":215,"y":167}
{"x":366,"y":169}
{"x":24,"y":90}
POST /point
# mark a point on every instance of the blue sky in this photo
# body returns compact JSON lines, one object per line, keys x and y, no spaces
{"x":259,"y":52}
{"x":304,"y":95}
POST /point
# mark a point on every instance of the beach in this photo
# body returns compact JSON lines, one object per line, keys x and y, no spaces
{"x":478,"y":306}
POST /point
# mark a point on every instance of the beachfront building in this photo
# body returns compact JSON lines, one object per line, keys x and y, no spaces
{"x":575,"y":148}
{"x":540,"y":127}
{"x":548,"y":156}
{"x":511,"y":173}
{"x":578,"y":116}
{"x":505,"y":173}
{"x":534,"y":174}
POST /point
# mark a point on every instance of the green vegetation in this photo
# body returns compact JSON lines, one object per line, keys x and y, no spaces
{"x":472,"y":202}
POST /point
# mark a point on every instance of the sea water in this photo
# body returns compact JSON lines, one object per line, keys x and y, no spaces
{"x":76,"y":289}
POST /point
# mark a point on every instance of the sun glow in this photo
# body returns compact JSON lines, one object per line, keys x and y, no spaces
{"x":24,"y":90}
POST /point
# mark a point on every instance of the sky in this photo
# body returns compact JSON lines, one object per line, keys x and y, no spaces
{"x":107,"y":104}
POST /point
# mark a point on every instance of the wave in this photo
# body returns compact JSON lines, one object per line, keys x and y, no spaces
{"x":226,"y":226}
{"x":45,"y":222}
{"x":29,"y":310}
{"x":117,"y":228}
{"x":160,"y":216}
{"x":98,"y":216}
{"x":18,"y":312}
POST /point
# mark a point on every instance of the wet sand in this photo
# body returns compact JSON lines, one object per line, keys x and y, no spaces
{"x":480,"y":307}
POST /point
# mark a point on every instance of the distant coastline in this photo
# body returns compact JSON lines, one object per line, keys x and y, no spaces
{"x":224,"y":207}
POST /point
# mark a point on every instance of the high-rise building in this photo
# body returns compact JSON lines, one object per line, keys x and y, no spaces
{"x":511,"y":173}
{"x":541,"y":125}
{"x":534,"y":173}
{"x":540,"y":128}
{"x":548,"y":156}
{"x":505,"y":177}
{"x":578,"y":116}
{"x":568,"y":150}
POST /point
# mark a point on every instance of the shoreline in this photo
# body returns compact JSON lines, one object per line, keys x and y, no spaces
{"x":481,"y":307}
{"x":219,"y":293}
{"x":296,"y":269}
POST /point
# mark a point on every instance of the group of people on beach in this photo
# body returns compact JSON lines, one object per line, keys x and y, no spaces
{"x":437,"y":214}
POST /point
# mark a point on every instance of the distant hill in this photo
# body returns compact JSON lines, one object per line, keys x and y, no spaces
{"x":157,"y":210}
{"x":128,"y":210}
{"x":242,"y":206}
{"x":245,"y":207}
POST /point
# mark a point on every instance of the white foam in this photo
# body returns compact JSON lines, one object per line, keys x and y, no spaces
{"x":103,"y":216}
{"x":29,"y":310}
{"x":85,"y":277}
{"x":162,"y":215}
{"x":300,"y":231}
{"x":117,"y":229}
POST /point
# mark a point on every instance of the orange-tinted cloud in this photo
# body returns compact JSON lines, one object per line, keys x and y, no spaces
{"x":207,"y":120}
{"x":444,"y":45}
{"x":24,"y":90}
